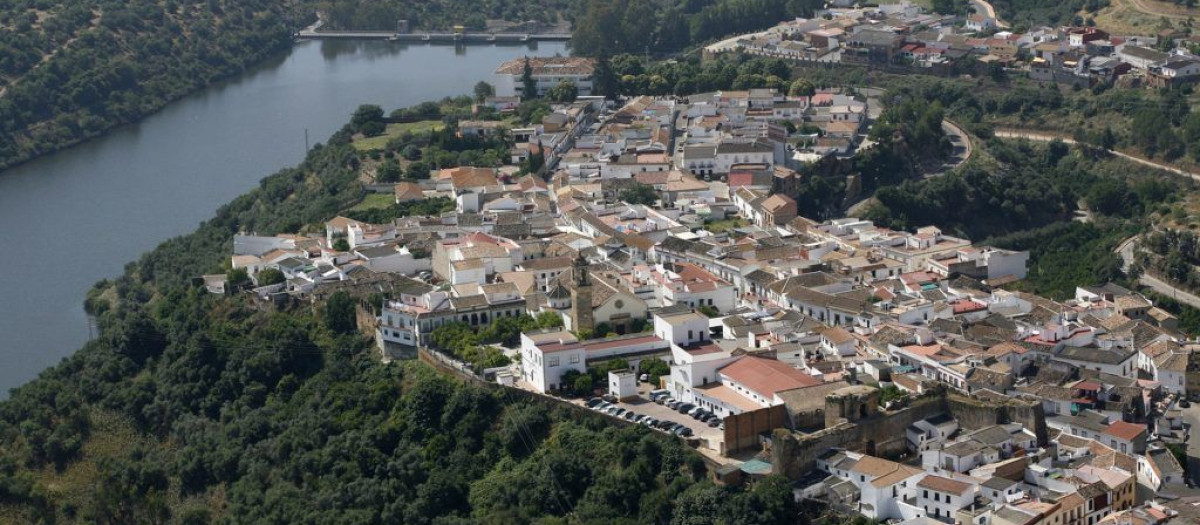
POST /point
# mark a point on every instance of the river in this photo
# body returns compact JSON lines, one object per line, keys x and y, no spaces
{"x":79,"y":216}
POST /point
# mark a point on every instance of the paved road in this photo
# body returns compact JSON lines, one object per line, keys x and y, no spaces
{"x":1126,"y":250}
{"x":1045,"y":136}
{"x":962,"y":147}
{"x":962,"y":152}
{"x":982,"y":6}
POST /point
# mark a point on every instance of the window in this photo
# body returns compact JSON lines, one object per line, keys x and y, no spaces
{"x":552,"y":361}
{"x":574,"y":358}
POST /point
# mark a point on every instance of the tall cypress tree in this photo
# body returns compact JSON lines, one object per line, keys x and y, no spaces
{"x":528,"y":84}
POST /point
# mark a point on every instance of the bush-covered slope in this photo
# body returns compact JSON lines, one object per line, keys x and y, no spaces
{"x":73,"y":70}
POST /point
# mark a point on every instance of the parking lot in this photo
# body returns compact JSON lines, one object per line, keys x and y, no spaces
{"x":709,"y":437}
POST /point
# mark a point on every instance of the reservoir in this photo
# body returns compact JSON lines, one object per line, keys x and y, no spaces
{"x":73,"y":218}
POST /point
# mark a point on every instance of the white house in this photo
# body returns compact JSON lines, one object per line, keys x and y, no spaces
{"x":941,"y":497}
{"x":960,"y":457}
{"x":547,"y":355}
{"x":884,"y":488}
{"x":393,"y":259}
{"x":929,"y":433}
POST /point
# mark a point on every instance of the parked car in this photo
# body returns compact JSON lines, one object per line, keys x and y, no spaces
{"x":673,"y":404}
{"x":630,"y":416}
{"x":685,"y":432}
{"x":610,"y":398}
{"x":707,"y":416}
{"x":602,"y":406}
{"x":714,"y":422}
{"x":644,"y":377}
{"x":695,"y":412}
{"x":684,"y":408}
{"x":1185,"y":404}
{"x":662,"y":400}
{"x":662,"y":392}
{"x":593,"y":402}
{"x":664,"y":424}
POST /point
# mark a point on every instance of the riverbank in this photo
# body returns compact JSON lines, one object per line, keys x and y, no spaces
{"x":122,"y":194}
{"x":122,"y":69}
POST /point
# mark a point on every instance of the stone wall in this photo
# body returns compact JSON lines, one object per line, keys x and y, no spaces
{"x":883,"y":433}
{"x":742,"y":430}
{"x":974,"y":414}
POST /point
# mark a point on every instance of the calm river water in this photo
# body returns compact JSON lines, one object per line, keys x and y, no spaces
{"x":71,"y":219}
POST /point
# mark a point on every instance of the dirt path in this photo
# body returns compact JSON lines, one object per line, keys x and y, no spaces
{"x":1046,"y":136}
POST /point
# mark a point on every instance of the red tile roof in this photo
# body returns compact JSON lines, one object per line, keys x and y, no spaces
{"x":944,"y":485}
{"x":1125,"y":431}
{"x":767,"y":376}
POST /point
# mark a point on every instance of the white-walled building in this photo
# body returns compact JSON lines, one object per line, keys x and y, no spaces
{"x":941,"y":497}
{"x":546,"y":356}
{"x":547,"y":72}
{"x":623,"y":384}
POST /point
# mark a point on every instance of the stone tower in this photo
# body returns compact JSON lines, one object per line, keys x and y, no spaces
{"x":851,"y":404}
{"x":581,"y":297}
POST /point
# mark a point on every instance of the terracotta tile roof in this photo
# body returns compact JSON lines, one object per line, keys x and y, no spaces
{"x":549,"y":66}
{"x":473,"y":177}
{"x":767,"y":376}
{"x":837,"y":335}
{"x":882,"y":472}
{"x":944,"y":485}
{"x":406,"y":191}
{"x":1126,"y":431}
{"x":777,"y":202}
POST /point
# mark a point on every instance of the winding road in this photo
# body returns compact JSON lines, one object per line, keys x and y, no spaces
{"x":1010,"y":134}
{"x":1126,"y":249}
{"x":982,"y":6}
{"x":962,"y":152}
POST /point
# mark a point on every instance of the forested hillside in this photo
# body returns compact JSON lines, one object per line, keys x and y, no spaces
{"x":440,"y":14}
{"x":1025,"y":196}
{"x":609,"y":27}
{"x":1032,"y":13}
{"x":72,"y":70}
{"x":193,"y":408}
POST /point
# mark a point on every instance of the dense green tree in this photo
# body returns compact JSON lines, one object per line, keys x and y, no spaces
{"x":339,"y":313}
{"x":365,"y":115}
{"x":388,"y":171}
{"x":563,"y":92}
{"x":483,"y":90}
{"x":529,"y":88}
{"x":417,"y":170}
{"x":654,"y":368}
{"x":802,"y":88}
{"x":604,"y":81}
{"x":639,"y":193}
{"x":270,"y":276}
